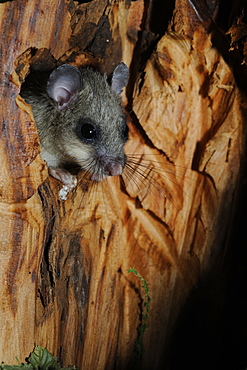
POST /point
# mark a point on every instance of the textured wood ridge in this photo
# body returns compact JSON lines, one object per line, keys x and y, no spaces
{"x":64,"y":283}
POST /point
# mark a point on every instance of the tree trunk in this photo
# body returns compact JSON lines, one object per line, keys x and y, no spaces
{"x":64,"y":264}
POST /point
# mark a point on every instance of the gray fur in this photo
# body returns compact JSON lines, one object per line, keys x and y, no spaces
{"x":95,"y":101}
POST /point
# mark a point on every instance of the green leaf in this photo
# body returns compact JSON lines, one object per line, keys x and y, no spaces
{"x":39,"y":359}
{"x":143,"y":325}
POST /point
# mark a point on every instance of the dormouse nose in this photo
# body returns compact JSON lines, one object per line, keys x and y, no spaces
{"x":114,"y":169}
{"x":114,"y":166}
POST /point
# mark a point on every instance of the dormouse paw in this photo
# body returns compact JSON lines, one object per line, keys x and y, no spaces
{"x":63,"y":193}
{"x":69,"y":181}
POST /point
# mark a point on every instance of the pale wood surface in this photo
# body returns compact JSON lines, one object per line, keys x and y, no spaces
{"x":63,"y":274}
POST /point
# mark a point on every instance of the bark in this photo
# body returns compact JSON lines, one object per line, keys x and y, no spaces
{"x":64,"y":264}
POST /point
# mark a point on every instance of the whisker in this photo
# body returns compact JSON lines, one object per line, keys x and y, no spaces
{"x":144,"y":163}
{"x":160,"y":172}
{"x":169,"y":161}
{"x":128,"y":174}
{"x":141,"y":175}
{"x":133,"y":172}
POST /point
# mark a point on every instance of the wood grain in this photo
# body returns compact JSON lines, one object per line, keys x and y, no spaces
{"x":64,"y":283}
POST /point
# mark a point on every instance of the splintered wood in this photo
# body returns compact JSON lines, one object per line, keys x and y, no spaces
{"x":64,"y":281}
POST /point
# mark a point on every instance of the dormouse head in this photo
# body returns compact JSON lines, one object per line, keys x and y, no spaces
{"x":91,"y":118}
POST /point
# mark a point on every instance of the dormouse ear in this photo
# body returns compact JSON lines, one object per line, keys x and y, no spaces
{"x":120,"y":78}
{"x":64,"y":84}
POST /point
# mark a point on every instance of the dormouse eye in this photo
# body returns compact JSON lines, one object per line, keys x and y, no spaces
{"x":88,"y":131}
